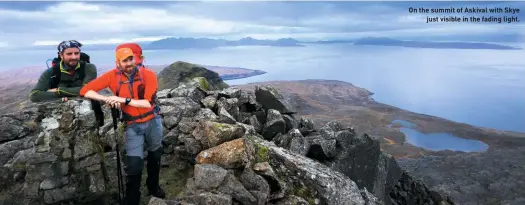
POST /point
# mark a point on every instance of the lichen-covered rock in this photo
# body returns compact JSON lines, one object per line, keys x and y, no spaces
{"x":207,"y":114}
{"x":310,"y":179}
{"x":227,"y":155}
{"x":190,"y":90}
{"x":209,"y":101}
{"x":208,"y":176}
{"x":208,"y":198}
{"x":211,"y":134}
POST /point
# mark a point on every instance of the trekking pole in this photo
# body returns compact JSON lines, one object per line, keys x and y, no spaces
{"x":114,"y":115}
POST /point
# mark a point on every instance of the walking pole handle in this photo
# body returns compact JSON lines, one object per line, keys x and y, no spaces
{"x":115,"y":115}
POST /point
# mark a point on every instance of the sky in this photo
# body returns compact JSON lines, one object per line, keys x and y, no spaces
{"x":96,"y":22}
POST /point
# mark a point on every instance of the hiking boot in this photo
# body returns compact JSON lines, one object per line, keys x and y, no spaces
{"x":133,"y":190}
{"x":153,"y":168}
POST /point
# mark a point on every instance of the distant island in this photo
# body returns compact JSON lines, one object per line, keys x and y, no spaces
{"x":173,"y":43}
{"x":377,"y":41}
{"x":192,"y":43}
{"x":182,"y":43}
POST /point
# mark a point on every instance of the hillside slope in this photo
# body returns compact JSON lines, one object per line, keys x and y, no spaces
{"x":470,"y":178}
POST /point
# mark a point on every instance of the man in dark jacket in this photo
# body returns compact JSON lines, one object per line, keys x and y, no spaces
{"x":65,"y":78}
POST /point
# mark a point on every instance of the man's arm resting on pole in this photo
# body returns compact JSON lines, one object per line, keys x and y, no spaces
{"x":151,"y":86}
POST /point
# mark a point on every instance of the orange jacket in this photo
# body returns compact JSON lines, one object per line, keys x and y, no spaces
{"x":110,"y":80}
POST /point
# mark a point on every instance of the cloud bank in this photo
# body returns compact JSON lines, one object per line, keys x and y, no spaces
{"x":47,"y":23}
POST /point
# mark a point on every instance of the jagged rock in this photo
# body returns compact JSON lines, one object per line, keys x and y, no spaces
{"x":292,"y":200}
{"x":298,"y":143}
{"x":211,"y":134}
{"x":225,"y":117}
{"x":189,"y":90}
{"x":233,"y":187}
{"x":230,"y":105}
{"x":187,"y":125}
{"x":227,"y":155}
{"x":274,"y":124}
{"x":306,"y":126}
{"x":290,"y":122}
{"x":11,"y":129}
{"x":361,"y":159}
{"x":410,"y":191}
{"x":261,"y":116}
{"x":164,"y":94}
{"x":172,"y":138}
{"x":156,"y":201}
{"x":248,"y":128}
{"x":208,"y":198}
{"x":209,"y":101}
{"x":207,"y":114}
{"x":293,"y":140}
{"x":320,"y":148}
{"x":9,"y":149}
{"x":252,"y":120}
{"x":208,"y":176}
{"x":169,"y":122}
{"x":309,"y":179}
{"x":6,"y":177}
{"x":270,"y":98}
{"x":231,"y":92}
{"x":277,"y":187}
{"x":192,"y":145}
{"x":57,"y":195}
{"x":256,"y":185}
{"x":178,"y":106}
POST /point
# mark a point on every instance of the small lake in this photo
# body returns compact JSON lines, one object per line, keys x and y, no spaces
{"x":438,"y":141}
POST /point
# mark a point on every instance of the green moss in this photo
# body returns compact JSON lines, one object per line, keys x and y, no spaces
{"x":203,"y":83}
{"x":219,"y":126}
{"x":305,"y":193}
{"x":262,"y":153}
{"x":97,"y":144}
{"x":172,"y":180}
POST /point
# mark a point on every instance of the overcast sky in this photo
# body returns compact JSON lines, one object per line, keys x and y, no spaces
{"x":40,"y":23}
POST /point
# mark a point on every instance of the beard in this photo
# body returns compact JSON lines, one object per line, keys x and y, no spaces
{"x":71,"y":62}
{"x":127,"y":68}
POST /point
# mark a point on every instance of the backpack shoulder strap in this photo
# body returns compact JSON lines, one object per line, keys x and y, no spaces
{"x":141,"y":76}
{"x":55,"y":76}
{"x":118,"y":75}
{"x":82,"y":70}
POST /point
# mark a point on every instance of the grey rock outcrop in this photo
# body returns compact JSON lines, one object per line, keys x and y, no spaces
{"x":220,"y":147}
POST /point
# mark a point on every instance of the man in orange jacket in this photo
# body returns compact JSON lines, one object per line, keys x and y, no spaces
{"x":135,"y":89}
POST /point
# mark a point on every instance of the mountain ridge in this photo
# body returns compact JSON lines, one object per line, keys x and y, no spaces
{"x":174,"y":43}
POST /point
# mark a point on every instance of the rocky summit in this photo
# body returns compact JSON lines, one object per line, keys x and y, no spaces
{"x":221,"y":147}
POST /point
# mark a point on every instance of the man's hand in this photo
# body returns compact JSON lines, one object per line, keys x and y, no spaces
{"x":113,"y":101}
{"x":117,"y":99}
{"x":54,"y":90}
